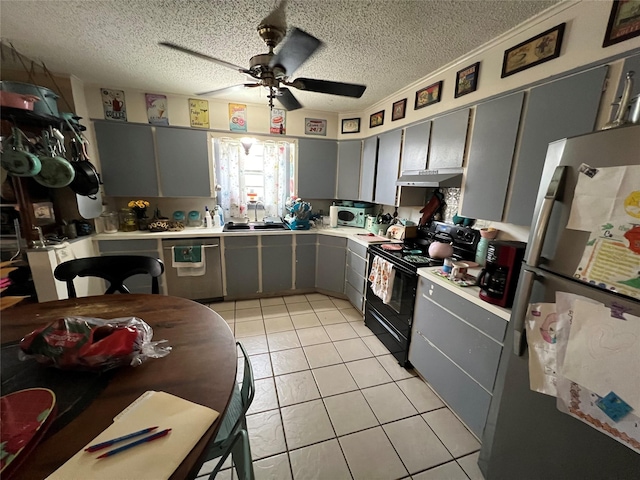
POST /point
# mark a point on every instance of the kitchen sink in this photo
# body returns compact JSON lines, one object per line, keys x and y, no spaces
{"x":251,"y":226}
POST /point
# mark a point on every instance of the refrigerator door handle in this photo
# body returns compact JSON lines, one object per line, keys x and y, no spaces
{"x":540,"y":228}
{"x":521,"y":305}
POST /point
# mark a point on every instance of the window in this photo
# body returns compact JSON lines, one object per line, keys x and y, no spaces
{"x":253,"y":173}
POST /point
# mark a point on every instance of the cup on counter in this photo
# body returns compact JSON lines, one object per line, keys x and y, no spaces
{"x":458,"y":270}
{"x":448,"y":263}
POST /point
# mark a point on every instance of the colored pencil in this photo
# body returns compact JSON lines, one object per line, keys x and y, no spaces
{"x":108,"y":443}
{"x":150,"y":438}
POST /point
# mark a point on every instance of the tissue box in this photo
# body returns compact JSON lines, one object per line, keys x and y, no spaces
{"x":400,"y":232}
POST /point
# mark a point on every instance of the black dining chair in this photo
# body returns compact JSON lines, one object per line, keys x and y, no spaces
{"x":114,"y":269}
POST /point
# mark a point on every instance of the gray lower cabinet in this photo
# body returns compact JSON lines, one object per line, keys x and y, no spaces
{"x":388,"y":166}
{"x":368,"y":175}
{"x":448,"y":140}
{"x":183,"y":162}
{"x":456,"y":346}
{"x":492,"y":149}
{"x":349,"y":153}
{"x":416,"y":147}
{"x":331,"y":263}
{"x":356,"y":274}
{"x":317,"y":166}
{"x":560,"y":109}
{"x":306,"y":247}
{"x":241,"y":265}
{"x":136,"y":283}
{"x":127,"y":159}
{"x":277,"y":263}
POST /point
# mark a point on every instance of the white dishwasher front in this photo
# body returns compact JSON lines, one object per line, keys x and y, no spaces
{"x":203,"y":287}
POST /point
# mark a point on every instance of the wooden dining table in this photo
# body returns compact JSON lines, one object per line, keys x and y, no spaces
{"x":201,"y":368}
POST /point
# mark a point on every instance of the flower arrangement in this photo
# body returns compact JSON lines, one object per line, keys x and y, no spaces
{"x":139,"y":207}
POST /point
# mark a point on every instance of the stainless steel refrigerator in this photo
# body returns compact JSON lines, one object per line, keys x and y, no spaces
{"x":526,"y":437}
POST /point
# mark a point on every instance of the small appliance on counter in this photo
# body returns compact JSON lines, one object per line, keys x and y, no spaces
{"x":353,"y":216}
{"x":499,"y":278}
{"x":299,"y":215}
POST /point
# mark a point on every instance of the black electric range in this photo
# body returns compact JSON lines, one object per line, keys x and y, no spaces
{"x":391,"y":321}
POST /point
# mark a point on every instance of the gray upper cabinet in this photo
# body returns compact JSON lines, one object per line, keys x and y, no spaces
{"x":368,"y":176}
{"x":349,"y":169}
{"x":388,"y":166}
{"x":127,"y":159}
{"x":416,"y":147}
{"x":183,"y":162}
{"x":492,"y":148}
{"x":560,"y":109}
{"x":448,"y":139}
{"x":317,"y":165}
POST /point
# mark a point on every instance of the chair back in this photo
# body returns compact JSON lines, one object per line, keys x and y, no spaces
{"x":114,"y":269}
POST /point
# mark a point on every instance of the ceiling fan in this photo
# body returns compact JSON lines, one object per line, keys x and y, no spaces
{"x":274,"y":70}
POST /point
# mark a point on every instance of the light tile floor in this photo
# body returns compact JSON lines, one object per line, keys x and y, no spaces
{"x":332,"y":403}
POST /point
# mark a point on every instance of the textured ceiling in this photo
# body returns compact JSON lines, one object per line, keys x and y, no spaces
{"x":384,"y":44}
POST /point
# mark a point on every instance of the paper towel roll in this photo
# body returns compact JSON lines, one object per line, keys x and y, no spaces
{"x":333,"y":216}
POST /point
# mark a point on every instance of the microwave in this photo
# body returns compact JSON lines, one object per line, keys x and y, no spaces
{"x":353,"y":216}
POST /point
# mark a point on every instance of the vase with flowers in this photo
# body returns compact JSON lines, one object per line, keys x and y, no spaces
{"x":139,"y":208}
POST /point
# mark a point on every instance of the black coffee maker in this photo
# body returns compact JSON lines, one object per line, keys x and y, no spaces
{"x":499,"y":279}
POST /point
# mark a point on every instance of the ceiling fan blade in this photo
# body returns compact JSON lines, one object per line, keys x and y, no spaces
{"x":173,"y":46}
{"x":325,"y":86}
{"x":297,"y":48}
{"x":287,"y":100}
{"x":231,"y":89}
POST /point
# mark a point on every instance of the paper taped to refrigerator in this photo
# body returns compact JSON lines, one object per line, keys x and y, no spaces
{"x":611,"y":259}
{"x":611,"y":195}
{"x":578,"y":401}
{"x":603,"y":352}
{"x":541,"y":324}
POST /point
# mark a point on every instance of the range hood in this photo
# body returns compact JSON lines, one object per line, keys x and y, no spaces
{"x":444,"y":177}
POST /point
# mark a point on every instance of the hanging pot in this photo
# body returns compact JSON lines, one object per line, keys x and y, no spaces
{"x":17,"y":100}
{"x":48,"y":104}
{"x":87,"y":179}
{"x":56,"y":171}
{"x":16,"y":160}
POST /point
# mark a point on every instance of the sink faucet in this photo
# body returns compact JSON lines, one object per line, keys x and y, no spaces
{"x":256,"y":207}
{"x":40,"y":243}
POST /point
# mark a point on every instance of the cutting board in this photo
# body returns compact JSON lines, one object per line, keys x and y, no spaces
{"x":371,"y":238}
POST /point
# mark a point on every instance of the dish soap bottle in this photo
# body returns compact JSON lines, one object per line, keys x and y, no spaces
{"x":218,"y":216}
{"x":208,"y":221}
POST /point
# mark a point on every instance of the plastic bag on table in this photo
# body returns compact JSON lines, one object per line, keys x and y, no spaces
{"x":85,"y":343}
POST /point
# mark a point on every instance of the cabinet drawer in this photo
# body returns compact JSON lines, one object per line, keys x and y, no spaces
{"x":355,"y":280}
{"x":127,"y":245}
{"x":359,"y":264}
{"x":240,"y":242}
{"x":355,"y":297}
{"x":358,"y":249}
{"x":306,"y":239}
{"x":332,"y":241}
{"x":473,"y":351}
{"x":465,"y":397}
{"x":486,"y":321}
{"x":276,"y":240}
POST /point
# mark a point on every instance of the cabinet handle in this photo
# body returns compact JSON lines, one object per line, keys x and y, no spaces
{"x":203,"y":246}
{"x":521,"y":305}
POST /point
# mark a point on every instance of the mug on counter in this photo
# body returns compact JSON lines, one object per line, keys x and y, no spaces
{"x":448,"y":263}
{"x":458,"y":270}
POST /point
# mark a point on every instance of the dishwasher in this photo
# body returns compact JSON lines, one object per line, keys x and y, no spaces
{"x":205,"y":287}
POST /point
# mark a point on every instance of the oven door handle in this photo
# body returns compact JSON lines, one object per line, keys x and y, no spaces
{"x":389,"y":330}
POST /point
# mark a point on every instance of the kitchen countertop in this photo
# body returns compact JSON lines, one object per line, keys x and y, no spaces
{"x":468,"y":293}
{"x":198,"y":232}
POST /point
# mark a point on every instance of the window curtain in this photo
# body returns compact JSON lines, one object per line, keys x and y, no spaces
{"x":231,"y":167}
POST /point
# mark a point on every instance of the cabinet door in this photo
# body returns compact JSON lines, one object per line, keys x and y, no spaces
{"x":183,"y":162}
{"x":317,"y":165}
{"x":277,"y":263}
{"x":306,"y":261}
{"x":349,"y":169}
{"x":564,"y":108}
{"x":368,"y":176}
{"x":388,"y":165}
{"x":241,"y":265}
{"x":127,"y":159}
{"x":448,"y":139}
{"x":330,"y":267}
{"x":416,"y":147}
{"x":492,"y":148}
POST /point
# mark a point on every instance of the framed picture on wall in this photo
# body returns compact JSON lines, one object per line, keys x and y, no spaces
{"x":376,"y":119}
{"x":350,"y":125}
{"x":399,"y":109}
{"x":467,"y":80}
{"x":428,"y":95}
{"x":532,"y":52}
{"x":624,"y":22}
